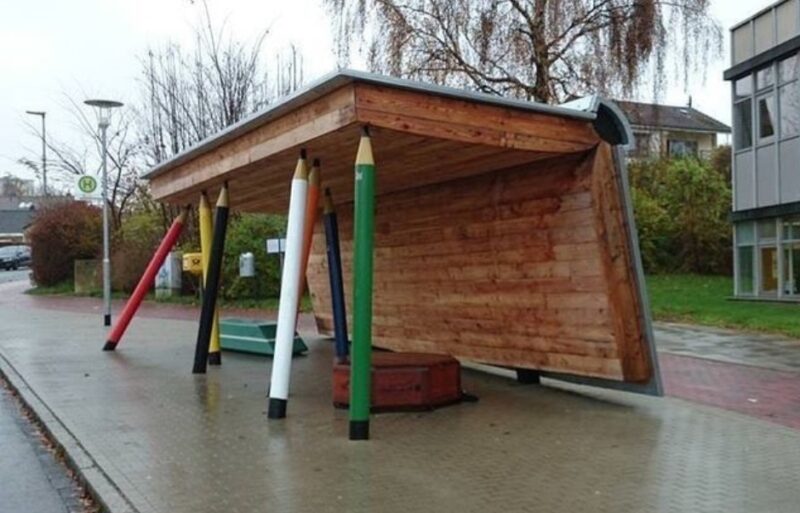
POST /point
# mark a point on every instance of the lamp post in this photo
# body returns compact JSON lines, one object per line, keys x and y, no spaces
{"x":42,"y":114}
{"x":104,"y":110}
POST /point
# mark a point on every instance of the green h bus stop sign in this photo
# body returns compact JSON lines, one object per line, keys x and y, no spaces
{"x":87,"y":184}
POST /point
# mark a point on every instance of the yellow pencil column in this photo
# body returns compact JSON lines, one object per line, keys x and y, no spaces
{"x":206,"y":228}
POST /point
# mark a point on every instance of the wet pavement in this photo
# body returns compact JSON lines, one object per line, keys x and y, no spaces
{"x":174,"y":442}
{"x":31,"y":480}
{"x":757,"y":349}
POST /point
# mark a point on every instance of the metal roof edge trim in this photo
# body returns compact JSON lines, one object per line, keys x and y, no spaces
{"x":610,"y":121}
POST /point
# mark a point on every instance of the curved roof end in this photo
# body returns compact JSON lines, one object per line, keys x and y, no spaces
{"x":610,"y":122}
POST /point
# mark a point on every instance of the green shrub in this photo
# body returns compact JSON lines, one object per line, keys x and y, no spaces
{"x":681,"y":208}
{"x":248,"y":233}
{"x":61,"y":234}
{"x":133,"y":247}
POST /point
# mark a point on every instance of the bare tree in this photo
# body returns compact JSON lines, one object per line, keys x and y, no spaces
{"x":190,"y":95}
{"x":545,"y":50}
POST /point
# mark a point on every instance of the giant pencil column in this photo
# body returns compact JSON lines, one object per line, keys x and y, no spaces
{"x":290,"y":292}
{"x":312,"y":204}
{"x":145,"y":282}
{"x":211,"y":283}
{"x":335,"y":275}
{"x":363,"y":242}
{"x":206,"y":230}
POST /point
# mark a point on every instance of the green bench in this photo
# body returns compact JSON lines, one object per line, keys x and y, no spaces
{"x":253,"y":336}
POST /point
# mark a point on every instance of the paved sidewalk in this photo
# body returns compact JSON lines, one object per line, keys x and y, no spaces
{"x":175,"y":442}
{"x":757,"y":349}
{"x":31,"y":480}
{"x":750,"y":373}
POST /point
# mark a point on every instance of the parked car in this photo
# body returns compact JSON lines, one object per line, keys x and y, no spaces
{"x":14,"y":257}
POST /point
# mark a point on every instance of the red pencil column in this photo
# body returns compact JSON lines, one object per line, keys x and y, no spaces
{"x":145,"y":282}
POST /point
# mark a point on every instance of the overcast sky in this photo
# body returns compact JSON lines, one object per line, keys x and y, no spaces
{"x":53,"y":48}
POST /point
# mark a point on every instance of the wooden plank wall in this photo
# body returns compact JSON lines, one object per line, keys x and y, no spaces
{"x":524,"y":267}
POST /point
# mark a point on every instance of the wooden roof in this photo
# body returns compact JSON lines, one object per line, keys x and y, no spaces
{"x":422,"y":134}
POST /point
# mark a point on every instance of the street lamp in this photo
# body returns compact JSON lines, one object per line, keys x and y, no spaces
{"x":44,"y":147}
{"x":104,"y":111}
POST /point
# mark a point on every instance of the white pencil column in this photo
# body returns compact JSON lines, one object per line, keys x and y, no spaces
{"x":290,"y":293}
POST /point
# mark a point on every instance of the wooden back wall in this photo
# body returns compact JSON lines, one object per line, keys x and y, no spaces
{"x":526,"y":267}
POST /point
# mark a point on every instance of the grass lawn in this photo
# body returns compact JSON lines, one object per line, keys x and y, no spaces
{"x":704,"y":300}
{"x":270,"y":303}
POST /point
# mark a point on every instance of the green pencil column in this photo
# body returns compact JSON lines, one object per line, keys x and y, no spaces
{"x":363,"y":241}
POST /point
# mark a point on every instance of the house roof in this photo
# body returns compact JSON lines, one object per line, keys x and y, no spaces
{"x":15,"y":221}
{"x":653,"y":115}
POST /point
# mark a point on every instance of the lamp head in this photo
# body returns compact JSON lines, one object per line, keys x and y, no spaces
{"x":103,"y":107}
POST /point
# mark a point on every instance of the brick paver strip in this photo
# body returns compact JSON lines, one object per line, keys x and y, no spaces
{"x":764,"y":393}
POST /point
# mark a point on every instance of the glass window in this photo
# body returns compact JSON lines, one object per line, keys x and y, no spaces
{"x":791,"y":229}
{"x":787,"y":69}
{"x":745,"y":233}
{"x":679,"y":148}
{"x":743,"y":87}
{"x":764,"y":78}
{"x":745,"y":269}
{"x":791,"y":269}
{"x":790,"y":110}
{"x":743,"y":124}
{"x":642,"y":145}
{"x":766,"y":117}
{"x":766,"y":230}
{"x":769,"y":269}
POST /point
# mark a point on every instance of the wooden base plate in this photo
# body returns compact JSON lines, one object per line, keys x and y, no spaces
{"x":404,"y":381}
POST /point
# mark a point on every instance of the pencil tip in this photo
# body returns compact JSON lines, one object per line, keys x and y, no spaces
{"x":302,"y":153}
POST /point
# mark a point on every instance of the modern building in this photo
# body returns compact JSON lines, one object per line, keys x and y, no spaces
{"x":671,"y":131}
{"x":14,"y":224}
{"x":766,"y":152}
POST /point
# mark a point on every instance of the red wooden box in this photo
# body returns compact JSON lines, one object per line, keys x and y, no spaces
{"x":404,"y":381}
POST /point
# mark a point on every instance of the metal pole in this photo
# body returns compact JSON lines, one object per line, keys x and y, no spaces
{"x":44,"y":156}
{"x":106,"y":241}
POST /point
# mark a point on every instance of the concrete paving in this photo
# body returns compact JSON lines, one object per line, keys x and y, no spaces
{"x":31,"y":480}
{"x":174,"y":442}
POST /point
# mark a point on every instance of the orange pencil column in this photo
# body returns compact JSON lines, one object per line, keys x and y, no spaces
{"x":312,"y":204}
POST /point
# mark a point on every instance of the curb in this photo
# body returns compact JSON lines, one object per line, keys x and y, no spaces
{"x":90,"y":474}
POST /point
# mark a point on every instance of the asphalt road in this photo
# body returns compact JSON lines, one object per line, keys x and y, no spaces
{"x":11,"y":276}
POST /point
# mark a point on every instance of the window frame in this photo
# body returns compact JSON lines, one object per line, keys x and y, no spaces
{"x":781,"y":87}
{"x":767,"y":94}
